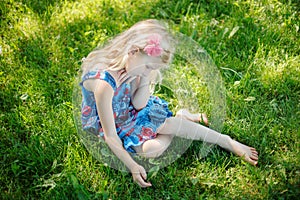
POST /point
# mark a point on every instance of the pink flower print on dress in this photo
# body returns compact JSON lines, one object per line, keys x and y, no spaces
{"x":153,"y":47}
{"x":86,"y":111}
{"x":148,"y":133}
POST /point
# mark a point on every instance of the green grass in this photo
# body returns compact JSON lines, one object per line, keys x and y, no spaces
{"x":255,"y":45}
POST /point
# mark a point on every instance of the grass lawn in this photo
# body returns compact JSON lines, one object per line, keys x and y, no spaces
{"x":254,"y":44}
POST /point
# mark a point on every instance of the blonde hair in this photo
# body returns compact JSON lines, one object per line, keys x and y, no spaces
{"x":115,"y":54}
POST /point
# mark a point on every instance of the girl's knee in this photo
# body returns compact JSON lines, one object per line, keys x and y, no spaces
{"x":181,"y":113}
{"x":151,"y":154}
{"x":156,"y":147}
{"x":168,"y":126}
{"x":169,"y":121}
{"x":152,"y":151}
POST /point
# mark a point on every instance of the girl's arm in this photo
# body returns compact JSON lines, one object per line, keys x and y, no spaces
{"x":103,"y":96}
{"x":140,"y":92}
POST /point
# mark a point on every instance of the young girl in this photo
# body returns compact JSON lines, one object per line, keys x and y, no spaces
{"x":117,"y":104}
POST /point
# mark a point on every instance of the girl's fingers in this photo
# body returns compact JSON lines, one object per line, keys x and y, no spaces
{"x":141,"y":182}
{"x":130,"y":79}
{"x":139,"y":176}
{"x":121,"y":71}
{"x":143,"y":173}
{"x":123,"y":76}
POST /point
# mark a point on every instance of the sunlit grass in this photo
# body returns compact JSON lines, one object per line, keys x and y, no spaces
{"x":255,"y":45}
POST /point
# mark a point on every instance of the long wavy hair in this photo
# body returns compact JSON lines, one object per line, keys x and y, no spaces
{"x":115,"y":54}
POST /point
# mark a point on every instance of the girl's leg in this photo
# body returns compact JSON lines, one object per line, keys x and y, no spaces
{"x":187,"y":129}
{"x":155,"y":147}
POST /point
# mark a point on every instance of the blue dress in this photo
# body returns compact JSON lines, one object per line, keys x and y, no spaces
{"x":132,"y":126}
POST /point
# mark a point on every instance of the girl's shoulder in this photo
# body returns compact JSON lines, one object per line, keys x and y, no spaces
{"x":91,"y":79}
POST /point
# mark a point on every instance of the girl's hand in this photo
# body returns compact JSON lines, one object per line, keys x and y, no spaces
{"x":139,"y":175}
{"x":124,"y":77}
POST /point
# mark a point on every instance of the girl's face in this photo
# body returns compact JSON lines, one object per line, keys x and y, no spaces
{"x":140,"y":64}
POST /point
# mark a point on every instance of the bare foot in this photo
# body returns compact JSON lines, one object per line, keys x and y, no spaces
{"x":203,"y":118}
{"x":249,"y":154}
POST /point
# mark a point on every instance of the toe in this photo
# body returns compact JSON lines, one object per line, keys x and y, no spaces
{"x":254,"y":152}
{"x":254,"y":157}
{"x":251,"y":161}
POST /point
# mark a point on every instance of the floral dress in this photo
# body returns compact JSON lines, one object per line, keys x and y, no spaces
{"x":132,"y":126}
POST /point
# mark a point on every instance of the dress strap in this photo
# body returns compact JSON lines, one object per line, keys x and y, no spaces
{"x":102,"y":75}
